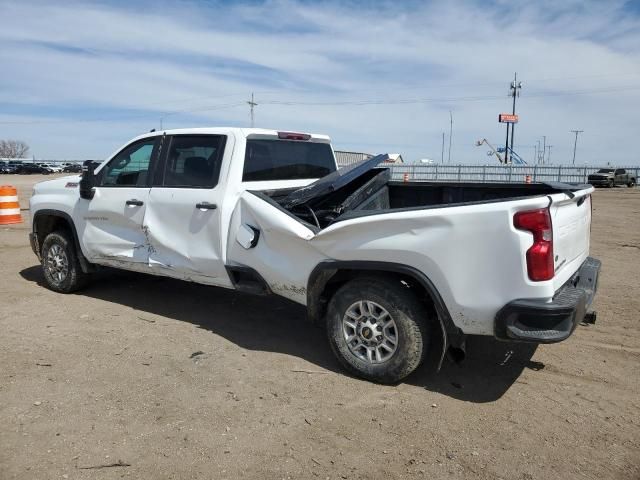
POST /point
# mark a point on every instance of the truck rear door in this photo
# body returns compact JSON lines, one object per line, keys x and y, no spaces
{"x":571,"y":223}
{"x":182,"y":220}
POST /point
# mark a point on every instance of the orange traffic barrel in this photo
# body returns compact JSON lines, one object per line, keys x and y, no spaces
{"x":405,"y":177}
{"x":527,"y":179}
{"x":9,"y":205}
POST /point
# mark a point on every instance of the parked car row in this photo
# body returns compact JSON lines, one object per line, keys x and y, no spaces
{"x":27,"y":168}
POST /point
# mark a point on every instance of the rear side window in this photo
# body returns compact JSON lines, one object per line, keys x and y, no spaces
{"x":286,"y":160}
{"x":194,"y":161}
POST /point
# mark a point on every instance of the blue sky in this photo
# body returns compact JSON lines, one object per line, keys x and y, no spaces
{"x":80,"y":79}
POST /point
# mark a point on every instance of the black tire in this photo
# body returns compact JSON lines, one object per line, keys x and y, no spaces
{"x":57,"y":247}
{"x":411,"y":328}
{"x":611,"y":184}
{"x":632,"y":183}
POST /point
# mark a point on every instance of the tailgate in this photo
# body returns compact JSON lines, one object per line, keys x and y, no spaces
{"x":571,"y":221}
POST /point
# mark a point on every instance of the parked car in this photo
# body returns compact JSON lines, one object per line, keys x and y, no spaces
{"x":384,"y":266}
{"x":52,"y":167}
{"x":612,"y":177}
{"x":29,"y":168}
{"x":10,"y":167}
{"x":72,"y":168}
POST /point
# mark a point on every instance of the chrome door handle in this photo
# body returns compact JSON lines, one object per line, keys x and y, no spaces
{"x":206,"y":206}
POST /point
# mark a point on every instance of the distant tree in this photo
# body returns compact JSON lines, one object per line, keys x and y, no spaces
{"x":13,"y":149}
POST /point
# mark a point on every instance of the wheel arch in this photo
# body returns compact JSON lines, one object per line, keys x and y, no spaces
{"x":46,"y":221}
{"x":328,"y":276}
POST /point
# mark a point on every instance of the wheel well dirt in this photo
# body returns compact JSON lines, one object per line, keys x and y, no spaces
{"x":47,"y":221}
{"x":327,"y":277}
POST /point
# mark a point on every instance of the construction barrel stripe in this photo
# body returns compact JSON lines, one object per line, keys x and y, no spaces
{"x":9,"y":205}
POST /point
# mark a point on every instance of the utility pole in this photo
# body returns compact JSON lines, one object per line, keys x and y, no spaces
{"x":450,"y":133}
{"x":549,"y":155}
{"x":575,"y":144}
{"x":252,"y":104}
{"x":515,"y":92}
{"x":537,"y":151}
{"x":544,"y":147}
{"x":442,"y":154}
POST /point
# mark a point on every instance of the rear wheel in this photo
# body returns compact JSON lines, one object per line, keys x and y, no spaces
{"x":632,"y":183}
{"x":377,"y":329}
{"x":60,"y":264}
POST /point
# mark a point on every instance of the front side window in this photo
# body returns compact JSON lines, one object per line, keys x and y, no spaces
{"x":286,"y":160}
{"x":194,"y":161}
{"x":130,"y":167}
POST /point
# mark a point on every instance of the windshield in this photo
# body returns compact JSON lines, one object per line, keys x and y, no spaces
{"x":605,"y":170}
{"x":286,"y":160}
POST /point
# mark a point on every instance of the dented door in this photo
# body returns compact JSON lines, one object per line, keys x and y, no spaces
{"x":111,"y":223}
{"x":182,"y":220}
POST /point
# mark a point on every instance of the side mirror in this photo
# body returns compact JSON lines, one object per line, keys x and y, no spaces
{"x":88,"y":180}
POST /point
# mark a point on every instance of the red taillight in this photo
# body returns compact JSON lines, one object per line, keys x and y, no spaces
{"x":293,"y":136}
{"x":540,"y":255}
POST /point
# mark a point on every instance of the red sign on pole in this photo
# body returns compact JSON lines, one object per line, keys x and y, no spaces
{"x":507,"y":118}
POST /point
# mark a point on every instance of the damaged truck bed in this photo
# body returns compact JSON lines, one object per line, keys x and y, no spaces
{"x":384,"y":266}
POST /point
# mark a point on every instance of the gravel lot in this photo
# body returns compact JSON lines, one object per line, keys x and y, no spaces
{"x":151,"y":378}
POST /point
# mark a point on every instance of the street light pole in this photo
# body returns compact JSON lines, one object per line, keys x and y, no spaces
{"x":450,"y":133}
{"x":575,"y":143}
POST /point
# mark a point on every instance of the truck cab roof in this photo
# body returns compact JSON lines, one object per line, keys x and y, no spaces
{"x":238,"y":132}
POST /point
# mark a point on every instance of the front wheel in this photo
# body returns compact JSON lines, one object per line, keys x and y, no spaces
{"x":60,"y":263}
{"x":377,"y":329}
{"x":632,"y":183}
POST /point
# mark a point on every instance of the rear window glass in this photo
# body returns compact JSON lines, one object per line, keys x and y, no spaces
{"x":286,"y":160}
{"x":194,"y":161}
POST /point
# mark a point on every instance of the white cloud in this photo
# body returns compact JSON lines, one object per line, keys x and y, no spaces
{"x":106,"y":73}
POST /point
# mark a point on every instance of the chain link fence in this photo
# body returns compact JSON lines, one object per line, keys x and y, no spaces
{"x":497,"y":173}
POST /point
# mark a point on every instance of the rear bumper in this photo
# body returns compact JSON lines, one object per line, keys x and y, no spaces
{"x":537,"y":321}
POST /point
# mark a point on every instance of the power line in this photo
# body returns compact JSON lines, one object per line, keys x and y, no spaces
{"x":338,"y":103}
{"x":444,"y":99}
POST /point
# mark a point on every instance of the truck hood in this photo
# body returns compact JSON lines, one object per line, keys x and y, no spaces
{"x":332,"y":182}
{"x":57,"y":183}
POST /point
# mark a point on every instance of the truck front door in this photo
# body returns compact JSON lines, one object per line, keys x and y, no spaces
{"x":183,"y":218}
{"x":110,"y":224}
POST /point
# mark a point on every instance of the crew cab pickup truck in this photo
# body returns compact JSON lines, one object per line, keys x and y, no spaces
{"x":611,"y":177}
{"x":384,"y":266}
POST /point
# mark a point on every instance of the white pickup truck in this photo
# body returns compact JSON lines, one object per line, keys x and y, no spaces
{"x":385,"y":266}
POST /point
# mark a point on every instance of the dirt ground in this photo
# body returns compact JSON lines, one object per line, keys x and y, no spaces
{"x":170,"y":380}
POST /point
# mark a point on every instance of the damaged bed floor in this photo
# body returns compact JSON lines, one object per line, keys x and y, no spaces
{"x":153,"y":378}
